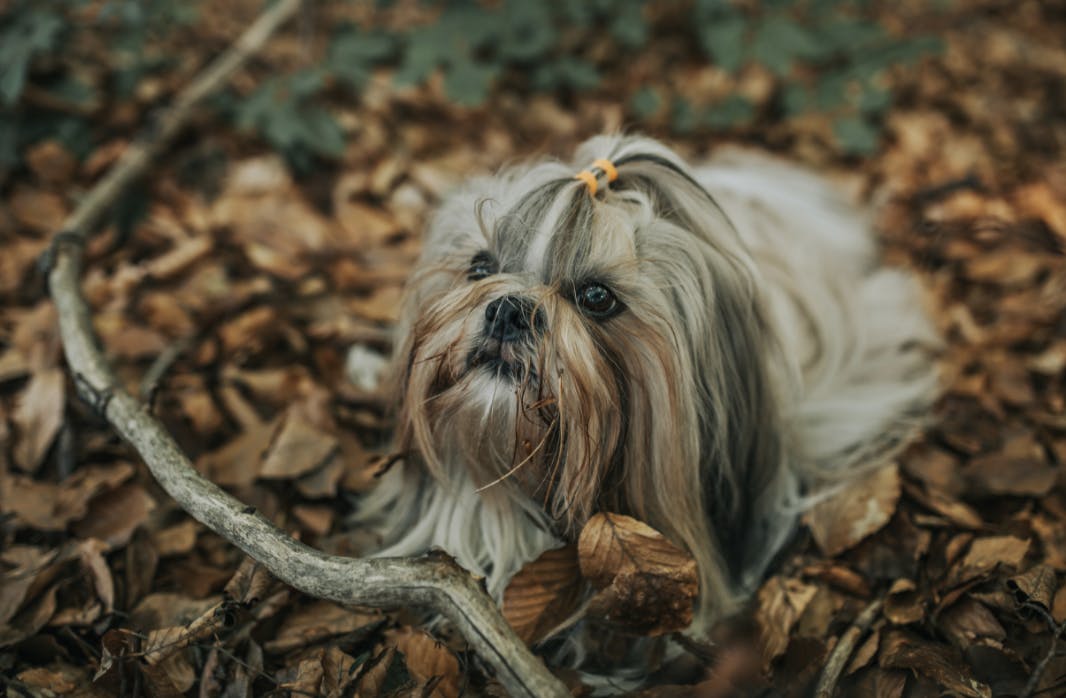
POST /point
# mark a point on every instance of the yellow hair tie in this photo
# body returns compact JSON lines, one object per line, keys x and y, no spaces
{"x":589,"y":179}
{"x":608,"y":168}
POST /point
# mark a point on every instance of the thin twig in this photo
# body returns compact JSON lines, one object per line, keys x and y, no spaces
{"x":438,"y":585}
{"x":1038,"y":672}
{"x":838,"y":659}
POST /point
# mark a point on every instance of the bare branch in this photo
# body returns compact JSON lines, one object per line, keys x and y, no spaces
{"x":436,"y":585}
{"x":838,"y":659}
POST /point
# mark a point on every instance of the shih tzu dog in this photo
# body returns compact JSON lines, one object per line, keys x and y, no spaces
{"x":704,"y":349}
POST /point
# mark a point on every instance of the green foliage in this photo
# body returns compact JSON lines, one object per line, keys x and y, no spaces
{"x":30,"y":30}
{"x":846,"y":53}
{"x":285,"y":112}
{"x":34,"y":31}
{"x":826,"y":56}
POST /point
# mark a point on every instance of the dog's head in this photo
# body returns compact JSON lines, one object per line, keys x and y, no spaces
{"x":594,"y":343}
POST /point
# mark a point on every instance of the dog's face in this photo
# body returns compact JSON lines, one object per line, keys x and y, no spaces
{"x":591,"y":351}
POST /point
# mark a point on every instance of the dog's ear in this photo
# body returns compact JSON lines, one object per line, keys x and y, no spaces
{"x":725,"y":331}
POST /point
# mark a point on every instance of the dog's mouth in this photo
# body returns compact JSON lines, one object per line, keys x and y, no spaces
{"x":501,"y":360}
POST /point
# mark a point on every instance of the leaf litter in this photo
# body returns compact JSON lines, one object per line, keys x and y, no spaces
{"x":268,"y":281}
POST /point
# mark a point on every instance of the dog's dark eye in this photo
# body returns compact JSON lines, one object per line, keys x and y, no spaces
{"x":481,"y":265}
{"x":597,"y":300}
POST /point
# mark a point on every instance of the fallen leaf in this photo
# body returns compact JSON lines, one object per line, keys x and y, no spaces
{"x":903,"y":603}
{"x":22,"y":564}
{"x":316,"y":519}
{"x":1019,"y":468}
{"x":856,"y":512}
{"x":779,"y":604}
{"x":1036,"y":586}
{"x":985,"y":555}
{"x":178,"y":539}
{"x":115,"y":515}
{"x":968,"y":622}
{"x":298,"y":448}
{"x":646,"y":583}
{"x":428,"y":660}
{"x":50,"y":161}
{"x":38,"y":415}
{"x":50,"y":506}
{"x":903,"y":651}
{"x":314,"y":622}
{"x":338,"y":672}
{"x":38,"y":210}
{"x":543,"y":594}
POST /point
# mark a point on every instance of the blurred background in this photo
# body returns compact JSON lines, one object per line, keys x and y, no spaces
{"x":230,"y":284}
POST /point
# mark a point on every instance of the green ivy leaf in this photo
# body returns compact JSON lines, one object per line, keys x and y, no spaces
{"x":628,"y":25}
{"x":352,"y":54}
{"x":566,"y":73}
{"x":683,"y":119}
{"x":529,"y":33}
{"x":779,"y":41}
{"x":796,"y":99}
{"x":467,"y":83}
{"x":733,"y":111}
{"x":856,"y":135}
{"x":645,"y":102}
{"x":724,"y":40}
{"x":31,"y":32}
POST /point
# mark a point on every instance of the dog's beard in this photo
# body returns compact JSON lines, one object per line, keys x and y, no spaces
{"x":514,"y":412}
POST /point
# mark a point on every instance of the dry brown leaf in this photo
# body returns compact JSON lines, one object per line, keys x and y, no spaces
{"x":904,"y":603}
{"x":17,"y":262}
{"x":313,"y":622}
{"x":968,"y":622}
{"x":238,"y":462}
{"x":1036,"y":586}
{"x":985,"y":555}
{"x":50,"y":161}
{"x":1052,"y":534}
{"x":38,"y":415}
{"x":309,"y":673}
{"x":647,"y":584}
{"x":299,"y":447}
{"x":51,"y":507}
{"x":30,"y":619}
{"x":779,"y":604}
{"x":366,"y":226}
{"x":428,"y":660}
{"x":382,"y":306}
{"x":543,"y":594}
{"x":902,"y":651}
{"x":178,"y":539}
{"x":115,"y":515}
{"x":953,"y":510}
{"x":38,"y":210}
{"x":316,"y":519}
{"x":338,"y":672}
{"x":377,"y":671}
{"x":1019,"y":468}
{"x":175,"y":261}
{"x":58,"y":678}
{"x":249,"y":330}
{"x":866,"y":652}
{"x":1058,"y":606}
{"x":857,"y":511}
{"x":128,"y":341}
{"x":169,"y":610}
{"x":1038,"y":200}
{"x":21,"y":565}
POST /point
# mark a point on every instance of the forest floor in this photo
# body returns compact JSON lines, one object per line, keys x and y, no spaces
{"x":237,"y":330}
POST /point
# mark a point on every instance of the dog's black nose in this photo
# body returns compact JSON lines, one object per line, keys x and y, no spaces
{"x":512,"y":317}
